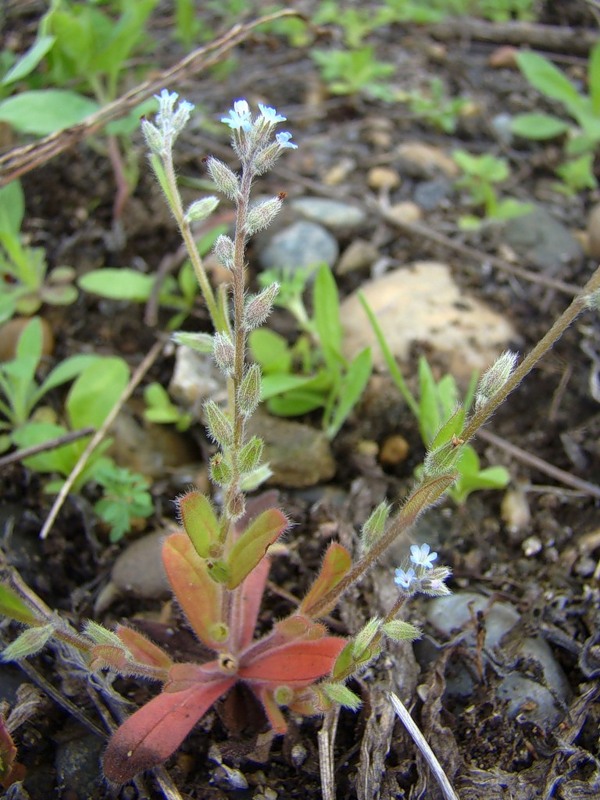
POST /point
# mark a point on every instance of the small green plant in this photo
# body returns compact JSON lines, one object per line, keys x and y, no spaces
{"x":313,"y":373}
{"x":441,"y":417}
{"x":480,"y":173}
{"x":97,"y":384}
{"x":434,"y":107}
{"x":582,"y":138}
{"x":355,"y":71}
{"x":161,"y":410}
{"x":24,"y":277}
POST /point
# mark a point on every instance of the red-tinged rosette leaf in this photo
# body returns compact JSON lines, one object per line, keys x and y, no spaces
{"x":272,"y":710}
{"x":336,"y":564}
{"x":200,"y":521}
{"x":252,"y":545}
{"x":184,"y":676}
{"x":142,"y":649}
{"x":157,"y":729}
{"x":298,"y":627}
{"x":14,"y":607}
{"x":310,"y":702}
{"x":10,"y":770}
{"x":247,"y":605}
{"x":106,"y":656}
{"x":294,"y":664}
{"x":197,"y":593}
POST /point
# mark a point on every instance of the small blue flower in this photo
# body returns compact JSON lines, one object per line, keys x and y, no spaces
{"x":421,"y":556}
{"x":270,"y":115}
{"x":404,"y":578}
{"x":239,"y":116}
{"x":283,"y":140}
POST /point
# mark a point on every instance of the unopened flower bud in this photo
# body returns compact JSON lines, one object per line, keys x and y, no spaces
{"x":495,"y":378}
{"x":28,"y":643}
{"x":262,"y":215}
{"x":224,"y":251}
{"x":224,"y":178}
{"x":400,"y":631}
{"x":592,"y":300}
{"x":200,"y":209}
{"x":434,"y":584}
{"x":153,"y":137}
{"x":236,"y":506}
{"x":342,"y":695}
{"x":224,"y":353}
{"x":375,"y":525}
{"x":250,"y":454}
{"x":218,"y":425}
{"x":220,"y":471}
{"x":248,"y":394}
{"x":260,"y":306}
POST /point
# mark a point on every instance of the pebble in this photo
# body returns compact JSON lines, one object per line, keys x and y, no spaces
{"x":76,"y":763}
{"x":515,"y":511}
{"x":298,"y":455}
{"x":593,"y":232}
{"x":524,"y":696}
{"x":406,"y":212}
{"x":383,"y":178}
{"x":11,"y":331}
{"x":504,"y":57}
{"x":196,"y":379}
{"x":542,"y":241}
{"x":359,"y":255}
{"x":340,"y":172}
{"x":421,"y":160}
{"x":301,"y":244}
{"x":338,"y":217}
{"x":432,"y":194}
{"x":422,"y":304}
{"x":394,"y":450}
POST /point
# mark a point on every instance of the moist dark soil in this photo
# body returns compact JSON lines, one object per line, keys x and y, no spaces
{"x":547,"y":568}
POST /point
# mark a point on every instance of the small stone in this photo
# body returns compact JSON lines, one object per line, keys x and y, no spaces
{"x":383,"y":178}
{"x":302,"y":244}
{"x":394,"y":450}
{"x":299,"y":755}
{"x":339,"y":172}
{"x":542,"y":241}
{"x":406,"y":212}
{"x":358,"y":255}
{"x":422,"y":303}
{"x":139,"y":570}
{"x":515,"y":511}
{"x":333,"y":214}
{"x":11,"y":331}
{"x":297,"y":454}
{"x":431,"y":194}
{"x":532,"y":546}
{"x":425,"y":161}
{"x":593,"y":231}
{"x":196,"y":379}
{"x":504,"y":57}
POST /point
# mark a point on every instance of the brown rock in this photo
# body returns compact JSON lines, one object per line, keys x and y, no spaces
{"x":12,"y":330}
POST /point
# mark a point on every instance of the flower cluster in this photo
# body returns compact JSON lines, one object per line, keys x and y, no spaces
{"x":169,"y":122}
{"x":425,"y":578}
{"x":252,"y":138}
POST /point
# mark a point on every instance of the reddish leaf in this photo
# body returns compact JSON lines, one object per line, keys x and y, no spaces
{"x":247,"y":605}
{"x":184,"y":676}
{"x":198,"y":594}
{"x":10,"y":770}
{"x":272,"y":710}
{"x":336,"y":563}
{"x":142,"y":649}
{"x":252,"y":545}
{"x":154,"y":732}
{"x":293,"y":664}
{"x":200,"y":521}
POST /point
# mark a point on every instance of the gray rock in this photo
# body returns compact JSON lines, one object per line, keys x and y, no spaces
{"x":78,"y":763}
{"x":298,"y":455}
{"x":337,"y":216}
{"x":431,"y":194}
{"x":542,"y":241}
{"x":300,"y":245}
{"x":540,"y":701}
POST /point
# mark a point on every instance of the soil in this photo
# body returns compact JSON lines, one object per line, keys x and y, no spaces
{"x":547,"y":569}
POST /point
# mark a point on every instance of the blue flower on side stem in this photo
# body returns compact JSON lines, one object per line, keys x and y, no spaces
{"x":421,"y":556}
{"x":283,"y":140}
{"x":404,"y":578}
{"x":239,"y":117}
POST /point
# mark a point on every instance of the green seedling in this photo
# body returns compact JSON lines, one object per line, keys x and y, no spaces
{"x":128,"y":285}
{"x":354,"y":72}
{"x":97,"y":384}
{"x":313,"y":373}
{"x":126,"y":497}
{"x":582,"y":138}
{"x":480,"y":174}
{"x":161,"y":410}
{"x":219,"y":562}
{"x":441,"y":418}
{"x":434,"y":107}
{"x":24,"y":276}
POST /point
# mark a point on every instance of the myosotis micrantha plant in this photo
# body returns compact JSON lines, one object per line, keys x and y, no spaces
{"x":218,"y":563}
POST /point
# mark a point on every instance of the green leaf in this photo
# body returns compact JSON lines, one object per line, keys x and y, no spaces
{"x":509,"y":208}
{"x":60,"y":459}
{"x":200,"y":521}
{"x":278,"y":384}
{"x":295,"y":403}
{"x":429,"y":411}
{"x":538,"y":126}
{"x":271,"y":351}
{"x":14,"y":607}
{"x":350,"y":391}
{"x":252,"y":545}
{"x":547,"y":79}
{"x":336,"y":564}
{"x":28,"y":643}
{"x":45,"y":111}
{"x":118,"y":284}
{"x":327,"y":317}
{"x":594,"y":78}
{"x":12,"y":209}
{"x":29,"y":60}
{"x":67,"y":370}
{"x":95,"y":392}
